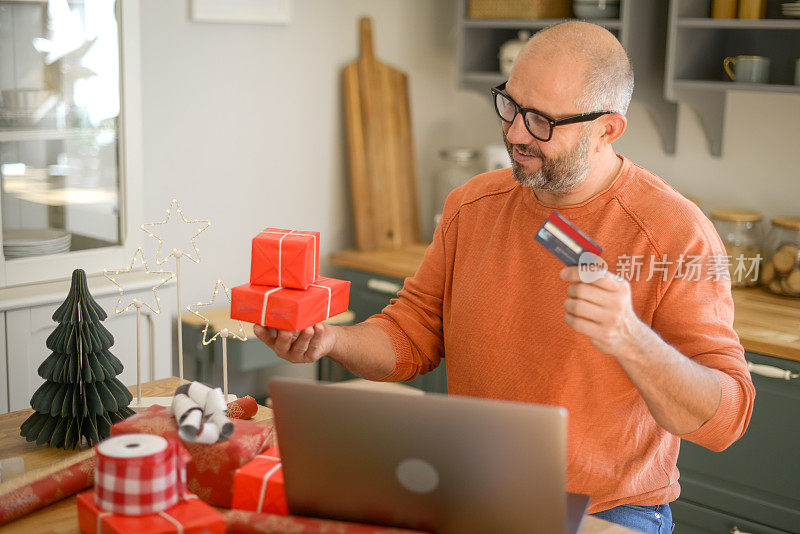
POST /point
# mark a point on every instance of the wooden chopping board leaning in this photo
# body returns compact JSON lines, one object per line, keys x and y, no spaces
{"x":382,"y":165}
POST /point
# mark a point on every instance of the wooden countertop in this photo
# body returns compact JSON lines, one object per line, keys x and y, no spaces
{"x":62,"y":517}
{"x":766,"y":323}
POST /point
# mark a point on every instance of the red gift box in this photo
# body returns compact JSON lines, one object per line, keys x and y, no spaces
{"x":242,"y":522}
{"x":210,"y":472}
{"x":285,"y":258}
{"x":258,"y":485}
{"x":191,"y":516}
{"x":290,"y":309}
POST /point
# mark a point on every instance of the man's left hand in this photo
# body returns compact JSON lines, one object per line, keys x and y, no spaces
{"x":603,"y":310}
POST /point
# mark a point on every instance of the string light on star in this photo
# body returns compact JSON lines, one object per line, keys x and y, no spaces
{"x":176,"y":252}
{"x":113,"y":276}
{"x":223,"y":334}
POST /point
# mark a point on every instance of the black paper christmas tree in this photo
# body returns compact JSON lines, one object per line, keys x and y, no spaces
{"x":81,"y":396}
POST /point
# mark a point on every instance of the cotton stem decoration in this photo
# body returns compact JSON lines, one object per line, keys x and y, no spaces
{"x":224,"y":333}
{"x":126,"y":302}
{"x":177,"y":254}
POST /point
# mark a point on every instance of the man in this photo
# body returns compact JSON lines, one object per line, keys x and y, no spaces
{"x":639,"y":361}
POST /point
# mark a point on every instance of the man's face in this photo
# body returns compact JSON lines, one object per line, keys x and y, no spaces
{"x":559,"y":173}
{"x":550,"y":83}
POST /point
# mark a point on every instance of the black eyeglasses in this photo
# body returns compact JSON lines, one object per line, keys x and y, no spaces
{"x":538,"y":124}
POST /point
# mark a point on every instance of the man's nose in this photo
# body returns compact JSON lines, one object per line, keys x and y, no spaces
{"x":517,"y":133}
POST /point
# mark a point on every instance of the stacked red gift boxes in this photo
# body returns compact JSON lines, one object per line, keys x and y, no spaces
{"x":285,"y":289}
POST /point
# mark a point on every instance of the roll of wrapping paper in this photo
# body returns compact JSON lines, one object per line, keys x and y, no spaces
{"x":139,"y":474}
{"x":37,"y":489}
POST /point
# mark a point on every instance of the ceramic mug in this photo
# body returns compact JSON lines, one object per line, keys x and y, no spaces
{"x":747,"y":69}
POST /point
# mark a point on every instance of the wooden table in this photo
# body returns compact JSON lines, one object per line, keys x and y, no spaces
{"x":62,"y":517}
{"x":766,"y":323}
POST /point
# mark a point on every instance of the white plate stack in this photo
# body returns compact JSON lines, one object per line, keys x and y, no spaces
{"x":35,"y":242}
{"x":790,"y":9}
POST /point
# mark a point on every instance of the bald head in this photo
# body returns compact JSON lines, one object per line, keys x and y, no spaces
{"x":597,"y":56}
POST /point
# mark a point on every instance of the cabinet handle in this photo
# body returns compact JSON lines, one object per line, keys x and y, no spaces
{"x":770,"y":372}
{"x":735,"y":530}
{"x":383,"y":286}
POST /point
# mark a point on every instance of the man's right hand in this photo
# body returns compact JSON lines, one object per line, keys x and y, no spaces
{"x":306,"y":346}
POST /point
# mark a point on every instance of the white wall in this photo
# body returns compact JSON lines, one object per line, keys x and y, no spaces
{"x":244,"y":123}
{"x":759,"y":166}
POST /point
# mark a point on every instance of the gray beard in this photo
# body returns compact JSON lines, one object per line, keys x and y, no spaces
{"x":556,"y":175}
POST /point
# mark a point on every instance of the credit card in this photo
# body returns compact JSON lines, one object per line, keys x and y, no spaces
{"x":564,"y":240}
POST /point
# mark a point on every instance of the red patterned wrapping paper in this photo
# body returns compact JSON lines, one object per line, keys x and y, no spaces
{"x":242,"y":408}
{"x":258,"y":485}
{"x":290,"y":309}
{"x":211,"y":470}
{"x":40,"y":493}
{"x":242,"y":522}
{"x":286,"y":258}
{"x":191,"y":516}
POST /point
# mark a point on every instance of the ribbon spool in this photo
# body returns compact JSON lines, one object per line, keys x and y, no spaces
{"x":139,"y":474}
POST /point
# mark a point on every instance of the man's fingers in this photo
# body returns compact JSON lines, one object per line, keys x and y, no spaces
{"x":300,"y":345}
{"x":588,"y":292}
{"x":587,"y":310}
{"x":315,"y":344}
{"x":283,"y":342}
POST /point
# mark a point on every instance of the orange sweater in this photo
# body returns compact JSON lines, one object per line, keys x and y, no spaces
{"x":490,"y":298}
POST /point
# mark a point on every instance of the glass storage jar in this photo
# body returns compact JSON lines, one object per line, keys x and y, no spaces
{"x":740,"y":231}
{"x":457,"y":166}
{"x":781,"y":272}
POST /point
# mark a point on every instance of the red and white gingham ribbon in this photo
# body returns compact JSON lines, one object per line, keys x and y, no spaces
{"x":274,"y":289}
{"x":284,"y":235}
{"x":139,"y":485}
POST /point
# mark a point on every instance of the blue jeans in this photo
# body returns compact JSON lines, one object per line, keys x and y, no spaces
{"x":648,"y":519}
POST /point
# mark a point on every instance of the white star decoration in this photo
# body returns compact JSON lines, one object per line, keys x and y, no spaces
{"x":176,"y":252}
{"x":239,"y":334}
{"x":165,"y":276}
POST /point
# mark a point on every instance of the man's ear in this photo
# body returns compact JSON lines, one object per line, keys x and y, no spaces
{"x":612,"y":126}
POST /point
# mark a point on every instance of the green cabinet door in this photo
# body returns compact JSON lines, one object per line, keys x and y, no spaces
{"x":758,"y":477}
{"x":369,"y":294}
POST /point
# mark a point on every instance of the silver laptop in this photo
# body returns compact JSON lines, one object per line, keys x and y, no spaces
{"x":429,"y":462}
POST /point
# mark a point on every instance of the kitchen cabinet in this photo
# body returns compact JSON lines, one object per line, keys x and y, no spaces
{"x":696,"y":47}
{"x":70,"y":137}
{"x":641,"y":28}
{"x":754,"y":484}
{"x":370,"y":292}
{"x":26,"y":322}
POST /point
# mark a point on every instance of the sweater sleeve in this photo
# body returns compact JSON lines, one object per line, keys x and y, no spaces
{"x":413,"y":320}
{"x":695,"y":315}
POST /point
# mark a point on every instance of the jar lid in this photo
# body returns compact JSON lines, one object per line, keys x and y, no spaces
{"x":736,"y":215}
{"x":792,"y":223}
{"x":459,"y":155}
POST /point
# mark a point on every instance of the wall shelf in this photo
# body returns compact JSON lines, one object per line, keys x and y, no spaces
{"x":739,"y":24}
{"x":51,"y":134}
{"x":696,"y":47}
{"x":710,"y":85}
{"x":641,"y":28}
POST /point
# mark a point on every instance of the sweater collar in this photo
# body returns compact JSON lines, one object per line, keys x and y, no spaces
{"x":588,"y":206}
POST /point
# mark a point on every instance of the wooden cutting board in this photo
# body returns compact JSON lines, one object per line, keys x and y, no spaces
{"x":381,"y":152}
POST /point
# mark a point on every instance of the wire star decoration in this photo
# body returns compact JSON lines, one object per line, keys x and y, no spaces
{"x":239,"y":334}
{"x":165,"y":276}
{"x":205,"y":223}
